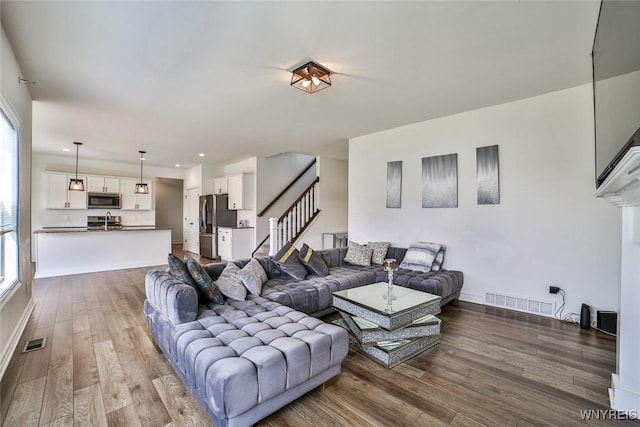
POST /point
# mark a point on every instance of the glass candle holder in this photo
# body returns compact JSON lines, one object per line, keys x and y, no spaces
{"x":390,"y":265}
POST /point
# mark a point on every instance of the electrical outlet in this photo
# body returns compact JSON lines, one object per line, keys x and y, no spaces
{"x":554,"y":289}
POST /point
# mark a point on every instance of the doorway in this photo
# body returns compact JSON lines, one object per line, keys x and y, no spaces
{"x":169,"y":207}
{"x":192,"y":231}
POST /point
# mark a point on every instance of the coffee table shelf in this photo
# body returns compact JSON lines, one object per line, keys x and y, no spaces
{"x":389,"y":333}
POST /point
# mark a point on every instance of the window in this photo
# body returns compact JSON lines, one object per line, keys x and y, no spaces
{"x":8,"y":204}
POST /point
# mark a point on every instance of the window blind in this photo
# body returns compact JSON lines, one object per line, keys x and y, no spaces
{"x":8,"y":176}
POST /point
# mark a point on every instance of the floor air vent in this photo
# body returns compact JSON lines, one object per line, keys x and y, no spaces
{"x":525,"y":304}
{"x":35,"y":344}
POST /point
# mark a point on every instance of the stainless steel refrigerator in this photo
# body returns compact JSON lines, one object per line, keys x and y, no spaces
{"x":214,"y":212}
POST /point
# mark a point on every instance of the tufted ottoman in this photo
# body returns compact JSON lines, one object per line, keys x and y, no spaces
{"x":241,"y":360}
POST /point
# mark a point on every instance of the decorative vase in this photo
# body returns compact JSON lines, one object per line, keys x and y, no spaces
{"x":390,"y":265}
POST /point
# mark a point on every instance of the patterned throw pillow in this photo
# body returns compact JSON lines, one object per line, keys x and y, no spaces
{"x":208,"y":289}
{"x":313,"y":261}
{"x":420,"y":256}
{"x":379,"y":251}
{"x":439,"y":261}
{"x":179,"y":270}
{"x":358,"y":254}
{"x":287,"y":260}
{"x":230,"y":283}
{"x":253,"y":276}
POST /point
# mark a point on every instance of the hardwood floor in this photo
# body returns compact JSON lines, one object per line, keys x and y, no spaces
{"x":492,"y":367}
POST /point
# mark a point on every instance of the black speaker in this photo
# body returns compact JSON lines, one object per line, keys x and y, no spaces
{"x":585,"y":317}
{"x":607,"y":322}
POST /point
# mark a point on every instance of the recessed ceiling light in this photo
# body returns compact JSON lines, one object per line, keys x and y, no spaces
{"x":201,"y":154}
{"x":177,"y":165}
{"x":65,"y":149}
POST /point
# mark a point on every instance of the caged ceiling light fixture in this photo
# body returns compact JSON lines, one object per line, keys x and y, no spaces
{"x":76,"y":184}
{"x":141,"y":187}
{"x":311,"y":77}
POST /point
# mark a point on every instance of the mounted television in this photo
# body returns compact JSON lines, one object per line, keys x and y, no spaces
{"x":616,"y":83}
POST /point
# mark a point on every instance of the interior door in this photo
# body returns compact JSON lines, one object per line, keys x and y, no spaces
{"x":191,"y":216}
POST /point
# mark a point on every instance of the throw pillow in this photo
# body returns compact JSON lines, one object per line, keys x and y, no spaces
{"x":358,"y":254}
{"x":439,"y":260}
{"x":287,"y":260}
{"x":179,"y":270}
{"x":230,"y":283}
{"x":253,"y":276}
{"x":420,"y":256}
{"x":313,"y":261}
{"x":206,"y":285}
{"x":379,"y":251}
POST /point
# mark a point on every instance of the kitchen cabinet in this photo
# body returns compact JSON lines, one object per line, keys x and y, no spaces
{"x":221,"y":185}
{"x":240,"y":188}
{"x":235,"y":243}
{"x":135,"y":202}
{"x":59,"y":196}
{"x":103,"y":184}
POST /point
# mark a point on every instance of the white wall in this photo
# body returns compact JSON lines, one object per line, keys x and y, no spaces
{"x":16,"y":306}
{"x":273,"y":174}
{"x":41,"y":216}
{"x":548,"y":227}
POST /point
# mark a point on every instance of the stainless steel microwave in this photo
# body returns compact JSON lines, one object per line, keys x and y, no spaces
{"x":104,"y":200}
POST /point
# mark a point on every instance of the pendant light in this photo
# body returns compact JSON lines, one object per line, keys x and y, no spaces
{"x":76,"y":184}
{"x":141,"y":187}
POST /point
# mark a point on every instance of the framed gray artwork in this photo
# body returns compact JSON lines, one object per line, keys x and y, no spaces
{"x":488,"y":175}
{"x":394,"y":184}
{"x":440,"y":181}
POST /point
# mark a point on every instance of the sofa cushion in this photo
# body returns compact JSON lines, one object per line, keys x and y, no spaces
{"x":379,"y":251}
{"x":230,"y":283}
{"x":287,"y":260}
{"x":253,"y":276}
{"x":443,"y":283}
{"x":314,"y":294}
{"x":208,"y":288}
{"x":420,"y":256}
{"x":358,"y":254}
{"x":179,"y":270}
{"x":313,"y":261}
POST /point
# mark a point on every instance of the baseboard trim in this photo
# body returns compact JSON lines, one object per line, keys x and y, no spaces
{"x":7,"y":353}
{"x":621,"y":399}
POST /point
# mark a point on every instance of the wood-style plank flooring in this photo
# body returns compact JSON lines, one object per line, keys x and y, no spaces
{"x":493,"y":367}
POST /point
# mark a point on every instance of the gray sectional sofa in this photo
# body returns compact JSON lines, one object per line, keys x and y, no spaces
{"x":243,"y":360}
{"x":313,"y":294}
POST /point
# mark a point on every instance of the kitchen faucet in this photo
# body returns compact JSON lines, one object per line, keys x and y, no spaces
{"x":107,"y":216}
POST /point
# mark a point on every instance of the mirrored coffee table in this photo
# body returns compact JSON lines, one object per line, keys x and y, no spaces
{"x":389,"y":332}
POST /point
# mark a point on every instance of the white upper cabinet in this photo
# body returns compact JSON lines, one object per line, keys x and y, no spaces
{"x":103,"y":184}
{"x":135,"y":202}
{"x":221,"y":185}
{"x":240,"y":191}
{"x":59,"y":196}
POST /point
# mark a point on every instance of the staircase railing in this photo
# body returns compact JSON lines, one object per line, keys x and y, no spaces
{"x":295,"y":220}
{"x":278,"y":197}
{"x":282,"y":193}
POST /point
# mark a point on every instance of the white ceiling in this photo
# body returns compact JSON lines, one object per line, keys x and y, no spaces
{"x":180,"y":78}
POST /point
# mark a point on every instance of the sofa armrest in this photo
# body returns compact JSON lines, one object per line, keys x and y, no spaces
{"x":174,"y":299}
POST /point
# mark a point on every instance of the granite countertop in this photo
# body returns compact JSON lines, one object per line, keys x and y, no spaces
{"x":85,"y":229}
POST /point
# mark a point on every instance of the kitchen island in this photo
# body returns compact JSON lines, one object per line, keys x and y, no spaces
{"x":73,"y":250}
